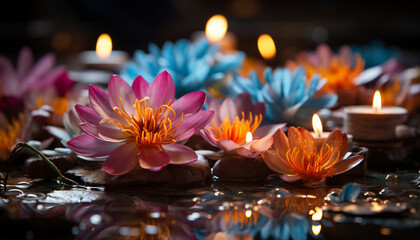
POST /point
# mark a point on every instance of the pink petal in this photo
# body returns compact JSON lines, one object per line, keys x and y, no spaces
{"x":214,"y":105}
{"x":153,"y":159}
{"x":262,"y":145}
{"x":118,"y":90}
{"x":140,"y":87}
{"x":347,"y":164}
{"x":243,"y":103}
{"x":87,"y":114}
{"x":100,"y":103}
{"x":25,"y":62}
{"x":103,"y":133}
{"x":9,"y":81}
{"x":290,"y":178}
{"x":228,"y":109}
{"x":89,"y":146}
{"x":259,"y":108}
{"x":40,"y":68}
{"x":246,"y":152}
{"x":161,"y":90}
{"x":189,"y":103}
{"x":227,"y":145}
{"x":185,"y":135}
{"x":122,"y":160}
{"x":180,"y":154}
{"x":208,"y":136}
{"x":273,"y":162}
{"x":268,"y":130}
{"x":198,"y":120}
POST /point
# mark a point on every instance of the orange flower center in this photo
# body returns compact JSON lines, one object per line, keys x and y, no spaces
{"x":310,"y":166}
{"x":147,"y":127}
{"x":10,"y":135}
{"x":237,"y":130}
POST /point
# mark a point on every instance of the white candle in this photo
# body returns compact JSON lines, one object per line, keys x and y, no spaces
{"x":320,"y":136}
{"x":373,"y":123}
{"x":104,"y":57}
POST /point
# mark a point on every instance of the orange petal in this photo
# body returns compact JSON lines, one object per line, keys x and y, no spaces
{"x":308,"y":138}
{"x":281,"y":143}
{"x":347,"y":164}
{"x":338,"y":144}
{"x":273,"y":162}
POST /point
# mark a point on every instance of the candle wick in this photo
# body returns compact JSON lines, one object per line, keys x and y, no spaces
{"x":319,"y":135}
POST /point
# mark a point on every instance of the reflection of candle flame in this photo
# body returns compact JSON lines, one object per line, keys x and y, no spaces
{"x":317,"y":125}
{"x":248,"y":137}
{"x":317,"y":216}
{"x":248,"y":213}
{"x":377,"y":102}
{"x":316,"y":229}
{"x":104,"y":46}
{"x":216,"y":28}
{"x":266,"y":46}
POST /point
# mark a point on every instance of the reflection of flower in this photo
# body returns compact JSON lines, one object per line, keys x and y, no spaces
{"x":27,"y":78}
{"x":233,"y":120}
{"x":287,"y":95}
{"x":339,"y":69}
{"x":11,"y":133}
{"x":297,"y":158}
{"x":193,"y":65}
{"x":141,"y":124}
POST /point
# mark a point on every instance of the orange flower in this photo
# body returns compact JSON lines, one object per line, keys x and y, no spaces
{"x":297,"y":158}
{"x":10,"y":134}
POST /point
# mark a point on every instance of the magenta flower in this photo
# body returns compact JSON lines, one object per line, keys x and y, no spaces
{"x":233,"y":121}
{"x":142,"y":124}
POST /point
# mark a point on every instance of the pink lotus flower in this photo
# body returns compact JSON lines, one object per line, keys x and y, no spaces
{"x":297,"y":158}
{"x":16,"y":85}
{"x":233,"y":120}
{"x":142,"y":124}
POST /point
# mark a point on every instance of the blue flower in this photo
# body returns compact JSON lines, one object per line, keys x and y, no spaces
{"x":377,"y":53}
{"x":193,"y":65}
{"x":287,"y":95}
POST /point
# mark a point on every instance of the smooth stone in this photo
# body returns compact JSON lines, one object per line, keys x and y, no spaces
{"x":235,"y":167}
{"x":36,"y":167}
{"x":172,"y":174}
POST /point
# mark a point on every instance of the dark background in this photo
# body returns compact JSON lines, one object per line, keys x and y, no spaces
{"x":67,"y":27}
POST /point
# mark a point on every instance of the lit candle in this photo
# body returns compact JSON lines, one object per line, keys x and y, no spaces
{"x":266,"y":47}
{"x":373,"y":123}
{"x":104,"y":57}
{"x":216,"y":32}
{"x":248,"y":137}
{"x":318,"y":134}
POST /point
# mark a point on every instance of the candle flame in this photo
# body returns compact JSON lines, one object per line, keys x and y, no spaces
{"x":316,"y":229}
{"x":317,"y":124}
{"x":377,"y":102}
{"x":248,"y":137}
{"x":266,"y":46}
{"x":248,"y":213}
{"x":216,"y":28}
{"x":104,"y":46}
{"x":317,"y":216}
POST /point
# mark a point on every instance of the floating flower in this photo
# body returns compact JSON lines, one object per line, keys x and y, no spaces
{"x":339,"y":69}
{"x":17,"y":130}
{"x":193,"y":65}
{"x":297,"y":158}
{"x":142,"y":124}
{"x":16,"y":85}
{"x":233,"y":121}
{"x":288,"y":97}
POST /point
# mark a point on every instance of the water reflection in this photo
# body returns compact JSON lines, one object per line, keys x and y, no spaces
{"x":282,"y":212}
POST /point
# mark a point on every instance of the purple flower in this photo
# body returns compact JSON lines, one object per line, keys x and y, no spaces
{"x":142,"y":124}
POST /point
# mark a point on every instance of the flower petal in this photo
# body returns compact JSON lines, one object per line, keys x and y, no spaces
{"x":100,"y":103}
{"x":189,"y":103}
{"x":89,"y":146}
{"x":25,"y":62}
{"x":228,"y":109}
{"x":246,"y":152}
{"x":262,"y":145}
{"x":109,"y":134}
{"x":347,"y":164}
{"x":161,"y":90}
{"x":140,"y":87}
{"x":87,"y":114}
{"x":268,"y":130}
{"x":274,"y":163}
{"x":208,"y":136}
{"x":243,"y":103}
{"x":122,"y":160}
{"x":180,"y":154}
{"x":198,"y":121}
{"x":338,"y":144}
{"x":281,"y":143}
{"x":119,"y":88}
{"x":59,"y":133}
{"x":153,"y":159}
{"x":227,"y":145}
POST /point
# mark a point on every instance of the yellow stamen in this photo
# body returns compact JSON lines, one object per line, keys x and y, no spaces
{"x":9,"y":135}
{"x":147,"y":127}
{"x":237,"y":130}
